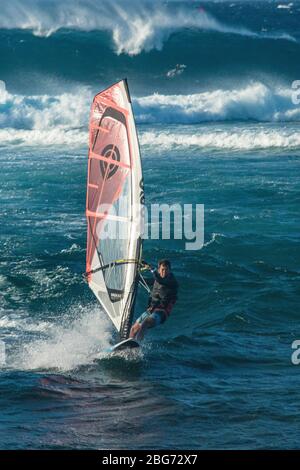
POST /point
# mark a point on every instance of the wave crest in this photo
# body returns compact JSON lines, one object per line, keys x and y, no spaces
{"x":136,"y":26}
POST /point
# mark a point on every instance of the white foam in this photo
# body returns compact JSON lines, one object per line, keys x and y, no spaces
{"x":63,"y":119}
{"x":178,"y":70}
{"x":67,"y":345}
{"x":40,"y":112}
{"x":135,"y":26}
{"x":213,"y":239}
{"x":45,"y":138}
{"x":73,"y":248}
{"x":233,"y":139}
{"x":21,"y":323}
{"x":285,"y":6}
{"x":256,"y":101}
{"x":45,"y":119}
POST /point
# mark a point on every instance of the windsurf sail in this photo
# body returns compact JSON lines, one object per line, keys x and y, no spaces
{"x":114,"y":203}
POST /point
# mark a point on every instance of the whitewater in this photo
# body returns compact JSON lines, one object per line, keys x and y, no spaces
{"x":59,"y":119}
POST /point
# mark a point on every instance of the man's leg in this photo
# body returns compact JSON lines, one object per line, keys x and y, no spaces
{"x":147,"y":323}
{"x":137,"y":326}
{"x":134,"y":329}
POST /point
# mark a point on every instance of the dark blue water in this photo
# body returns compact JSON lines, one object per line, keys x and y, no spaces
{"x":223,"y":132}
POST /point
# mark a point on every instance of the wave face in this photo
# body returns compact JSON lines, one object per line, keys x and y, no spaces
{"x":134,"y":26}
{"x":165,"y":47}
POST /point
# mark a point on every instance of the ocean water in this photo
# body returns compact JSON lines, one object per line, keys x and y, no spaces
{"x":212,"y":94}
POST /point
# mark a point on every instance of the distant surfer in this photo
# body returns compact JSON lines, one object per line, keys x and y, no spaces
{"x":161,"y":301}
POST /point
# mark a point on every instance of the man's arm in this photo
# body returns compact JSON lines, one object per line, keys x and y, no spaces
{"x":148,"y":281}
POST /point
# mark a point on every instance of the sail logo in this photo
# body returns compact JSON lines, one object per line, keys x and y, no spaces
{"x":142,"y":193}
{"x":112,"y":153}
{"x":114,"y":294}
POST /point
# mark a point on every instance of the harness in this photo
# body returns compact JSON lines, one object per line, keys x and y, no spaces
{"x":167,"y":310}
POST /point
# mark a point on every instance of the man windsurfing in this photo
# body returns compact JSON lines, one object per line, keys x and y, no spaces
{"x":161,"y":301}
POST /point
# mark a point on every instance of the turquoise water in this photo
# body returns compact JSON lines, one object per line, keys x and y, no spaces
{"x":218,"y":374}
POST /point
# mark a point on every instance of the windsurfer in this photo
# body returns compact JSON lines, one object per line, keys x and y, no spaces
{"x":161,"y":300}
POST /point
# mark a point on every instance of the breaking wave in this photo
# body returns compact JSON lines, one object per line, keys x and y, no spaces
{"x":134,"y":27}
{"x":255,"y":102}
{"x":63,"y":120}
{"x":231,"y":139}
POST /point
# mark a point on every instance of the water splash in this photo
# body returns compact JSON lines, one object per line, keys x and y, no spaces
{"x":67,"y":344}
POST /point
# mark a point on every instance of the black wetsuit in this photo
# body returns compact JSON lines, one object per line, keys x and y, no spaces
{"x":164,"y":293}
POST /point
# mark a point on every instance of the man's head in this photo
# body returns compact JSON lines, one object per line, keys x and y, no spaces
{"x":164,"y":267}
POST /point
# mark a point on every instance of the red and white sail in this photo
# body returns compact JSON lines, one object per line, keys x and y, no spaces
{"x":113,"y":207}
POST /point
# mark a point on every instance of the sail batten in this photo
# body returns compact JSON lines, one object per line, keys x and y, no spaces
{"x":113,"y":206}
